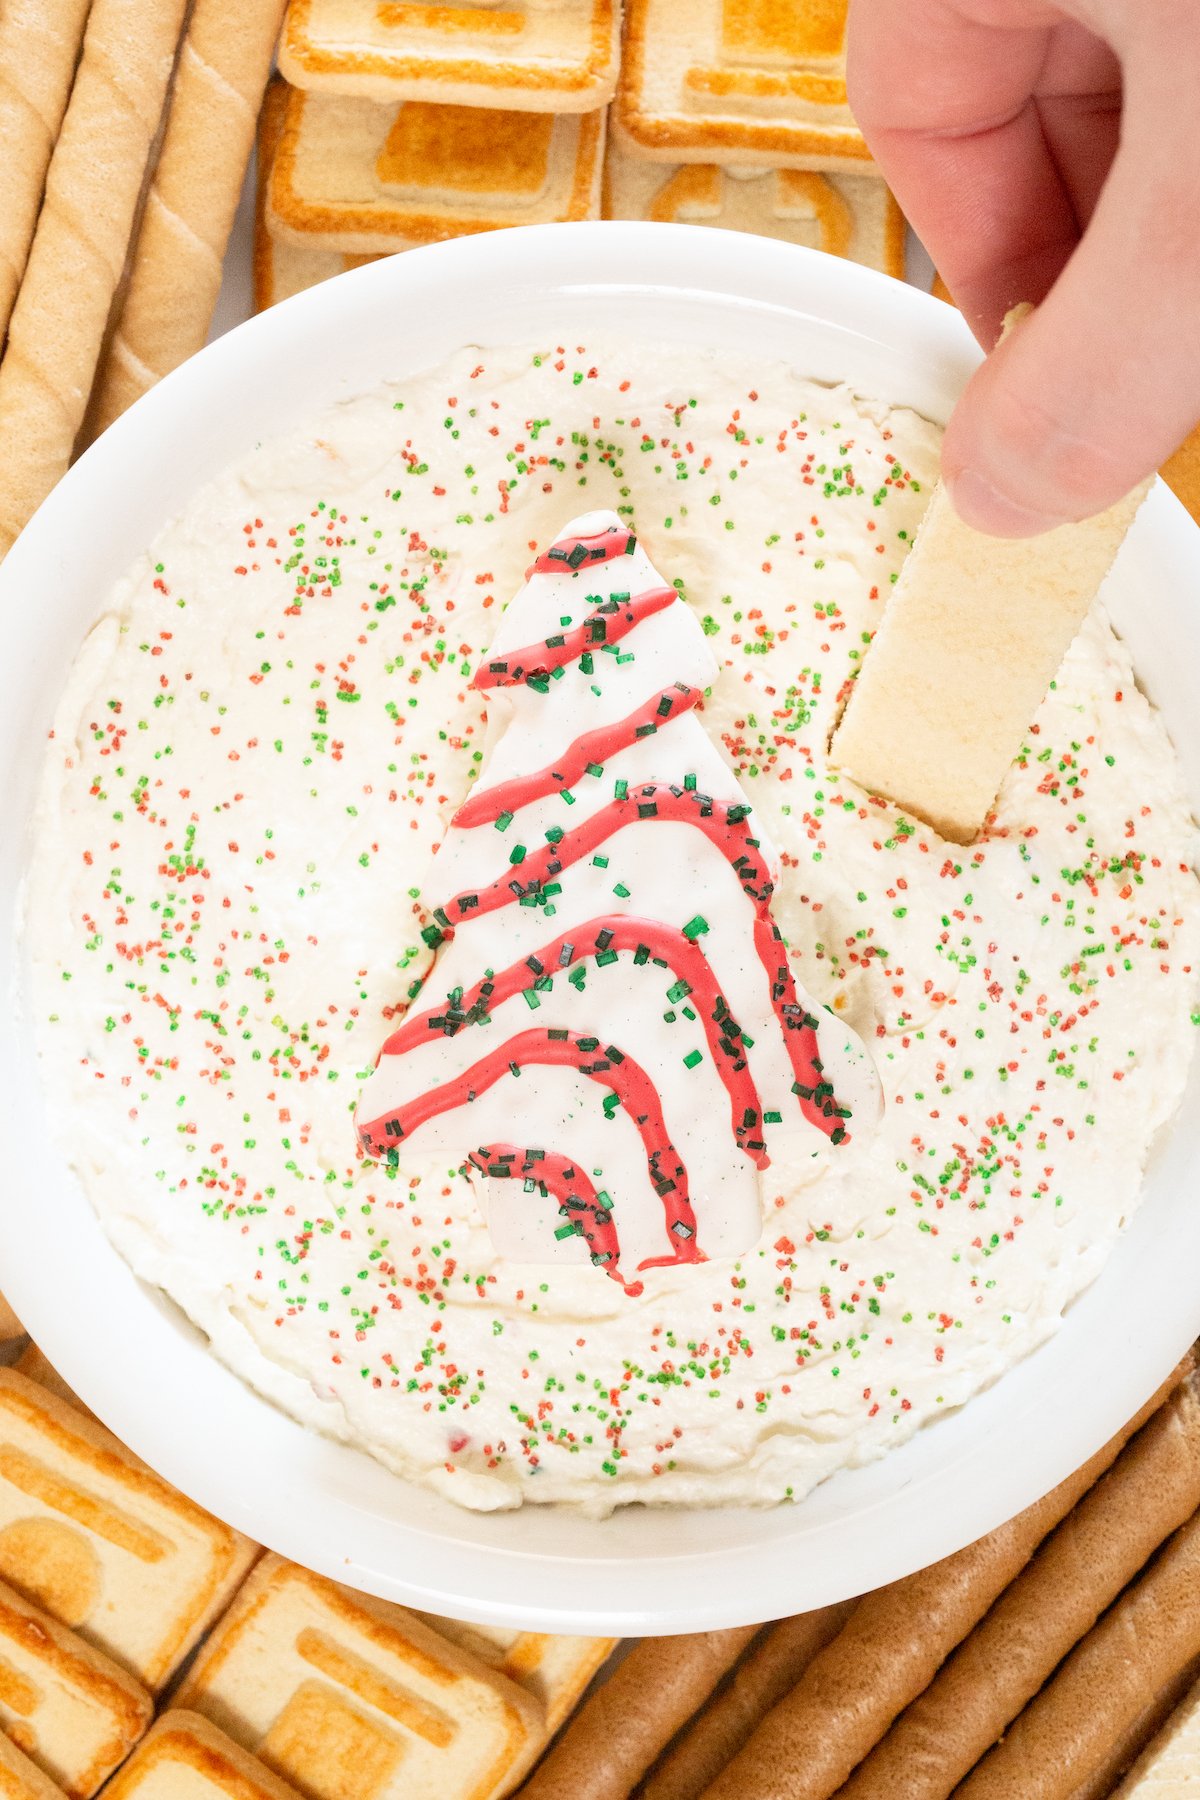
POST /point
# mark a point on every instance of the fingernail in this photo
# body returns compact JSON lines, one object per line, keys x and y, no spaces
{"x":985,"y":508}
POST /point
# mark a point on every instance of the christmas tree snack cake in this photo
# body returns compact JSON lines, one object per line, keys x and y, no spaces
{"x":607,"y":931}
{"x":468,"y":984}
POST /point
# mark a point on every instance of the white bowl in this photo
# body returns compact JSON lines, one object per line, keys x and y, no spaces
{"x":128,"y":1351}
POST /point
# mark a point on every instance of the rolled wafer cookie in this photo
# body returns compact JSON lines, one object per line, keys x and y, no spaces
{"x":972,"y":637}
{"x":772,"y":1666}
{"x":893,"y":1645}
{"x":1140,"y":1644}
{"x":616,"y":1735}
{"x":1100,"y":1784}
{"x":79,"y":248}
{"x":39,"y":47}
{"x":1151,"y":1490}
{"x":176,"y":272}
{"x":1169,"y":1766}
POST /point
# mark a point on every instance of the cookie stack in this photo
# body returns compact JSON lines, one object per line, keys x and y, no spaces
{"x":401,"y":123}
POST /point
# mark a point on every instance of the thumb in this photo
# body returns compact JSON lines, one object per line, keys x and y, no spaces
{"x":1102,"y":383}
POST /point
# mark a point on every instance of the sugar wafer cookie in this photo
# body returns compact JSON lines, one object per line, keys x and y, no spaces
{"x":39,"y":45}
{"x":348,"y":1696}
{"x":21,"y":1779}
{"x":759,"y":82}
{"x":91,"y":1534}
{"x":554,"y":1668}
{"x":33,"y":1363}
{"x":10,"y":1326}
{"x":185,"y":1757}
{"x":527,"y":55}
{"x":356,"y":176}
{"x":280,"y":269}
{"x":72,"y":1711}
{"x":79,"y":248}
{"x":176,"y":267}
{"x":854,"y":216}
{"x":972,"y":637}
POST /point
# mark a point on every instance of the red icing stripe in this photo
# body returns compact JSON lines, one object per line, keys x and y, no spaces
{"x":569,"y":554}
{"x":725,"y":826}
{"x":593,"y":747}
{"x":607,"y":623}
{"x":636,"y":1094}
{"x":577,"y":1196}
{"x":619,"y":932}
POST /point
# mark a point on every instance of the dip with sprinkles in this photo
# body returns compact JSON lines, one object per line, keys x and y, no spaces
{"x":234,"y":900}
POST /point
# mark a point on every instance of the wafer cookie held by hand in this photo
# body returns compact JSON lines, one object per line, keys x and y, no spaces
{"x":79,"y":248}
{"x":365,"y":178}
{"x":343,"y":1695}
{"x":39,"y":46}
{"x":846,"y":215}
{"x":971,"y":638}
{"x":99,"y":1540}
{"x":177,"y":258}
{"x":529,"y":55}
{"x":752,"y":82}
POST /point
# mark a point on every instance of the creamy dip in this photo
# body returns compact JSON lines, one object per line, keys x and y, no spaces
{"x":232,"y":894}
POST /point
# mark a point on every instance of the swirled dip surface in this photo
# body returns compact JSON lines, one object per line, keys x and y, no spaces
{"x":251,"y":771}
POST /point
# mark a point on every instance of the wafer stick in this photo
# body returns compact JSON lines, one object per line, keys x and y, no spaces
{"x":1159,"y":1755}
{"x":79,"y":248}
{"x":763,"y":1676}
{"x":1141,"y":1643}
{"x":972,"y":637}
{"x":618,"y":1733}
{"x":893,"y":1645}
{"x":39,"y":47}
{"x":1152,"y":1489}
{"x":176,"y":272}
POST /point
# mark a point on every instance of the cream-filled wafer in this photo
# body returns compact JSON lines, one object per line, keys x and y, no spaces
{"x":184,"y":1757}
{"x":1169,"y":1766}
{"x":21,"y":1779}
{"x":851,"y":215}
{"x":1141,"y":1643}
{"x":366,"y":177}
{"x":971,"y":639}
{"x":176,"y":269}
{"x":349,"y":1698}
{"x":554,"y":1667}
{"x":765,"y":1674}
{"x":1151,"y":1490}
{"x":39,"y":45}
{"x":72,"y":1711}
{"x":738,"y":81}
{"x":280,"y":269}
{"x":613,"y":1739}
{"x":99,"y":1540}
{"x":79,"y":248}
{"x":893,"y":1645}
{"x":533,"y":56}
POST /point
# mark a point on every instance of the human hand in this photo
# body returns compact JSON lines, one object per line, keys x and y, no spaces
{"x":1049,"y":150}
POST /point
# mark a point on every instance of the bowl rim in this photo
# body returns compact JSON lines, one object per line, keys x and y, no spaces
{"x":900,"y":1526}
